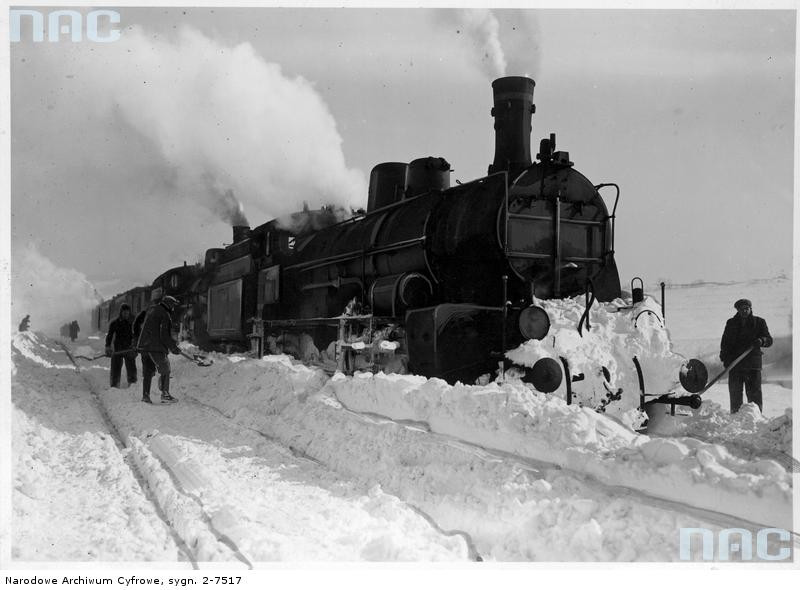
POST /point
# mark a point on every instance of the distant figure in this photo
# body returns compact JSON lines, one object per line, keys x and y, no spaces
{"x":119,"y":343}
{"x":25,"y":323}
{"x":155,"y":342}
{"x":743,"y":331}
{"x":73,"y":330}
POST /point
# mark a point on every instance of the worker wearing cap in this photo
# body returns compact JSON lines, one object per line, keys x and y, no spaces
{"x":744,"y":332}
{"x":155,"y":343}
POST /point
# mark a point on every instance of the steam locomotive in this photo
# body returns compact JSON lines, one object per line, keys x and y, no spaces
{"x":433,"y":279}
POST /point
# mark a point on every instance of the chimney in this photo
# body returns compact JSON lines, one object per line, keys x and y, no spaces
{"x":240,"y":232}
{"x":513,"y":107}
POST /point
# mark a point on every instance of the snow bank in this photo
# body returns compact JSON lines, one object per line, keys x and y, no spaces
{"x":512,"y":499}
{"x":31,"y":346}
{"x":514,"y":419}
{"x":747,"y":433}
{"x":616,"y":335}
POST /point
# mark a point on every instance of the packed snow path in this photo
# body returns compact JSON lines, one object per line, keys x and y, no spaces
{"x":262,"y":461}
{"x":75,"y":495}
{"x":227,"y":492}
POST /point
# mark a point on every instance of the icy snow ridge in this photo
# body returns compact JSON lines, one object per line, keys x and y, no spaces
{"x":514,"y":419}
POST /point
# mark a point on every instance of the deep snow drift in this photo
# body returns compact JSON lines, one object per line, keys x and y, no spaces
{"x":603,"y":351}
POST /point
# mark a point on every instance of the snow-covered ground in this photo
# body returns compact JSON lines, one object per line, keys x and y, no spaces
{"x":207,"y":489}
{"x":267,"y":459}
{"x":75,"y":495}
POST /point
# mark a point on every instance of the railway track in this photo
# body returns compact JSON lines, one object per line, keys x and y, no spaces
{"x":141,"y":480}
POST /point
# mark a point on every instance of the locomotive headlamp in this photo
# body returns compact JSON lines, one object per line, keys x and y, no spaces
{"x":534,"y":324}
{"x":693,"y":375}
{"x":546,"y":375}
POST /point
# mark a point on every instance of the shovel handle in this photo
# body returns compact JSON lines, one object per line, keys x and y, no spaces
{"x":99,"y":356}
{"x":197,"y":360}
{"x":727,"y":369}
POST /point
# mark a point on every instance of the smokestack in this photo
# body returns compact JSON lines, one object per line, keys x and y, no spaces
{"x":513,"y":107}
{"x":240,"y":232}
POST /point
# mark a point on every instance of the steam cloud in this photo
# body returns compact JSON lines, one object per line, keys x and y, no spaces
{"x":50,"y":294}
{"x":224,"y":113}
{"x":483,"y":30}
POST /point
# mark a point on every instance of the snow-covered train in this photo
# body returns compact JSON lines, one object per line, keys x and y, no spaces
{"x":431,"y":279}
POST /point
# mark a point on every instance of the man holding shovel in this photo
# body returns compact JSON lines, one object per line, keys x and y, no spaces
{"x":119,"y":344}
{"x":744,"y":333}
{"x":155,"y":343}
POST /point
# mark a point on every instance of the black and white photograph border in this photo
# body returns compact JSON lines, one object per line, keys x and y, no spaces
{"x":398,"y":292}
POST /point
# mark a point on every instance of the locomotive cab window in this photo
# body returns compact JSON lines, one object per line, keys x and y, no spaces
{"x":173,"y":281}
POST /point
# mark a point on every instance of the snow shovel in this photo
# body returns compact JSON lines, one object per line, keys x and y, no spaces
{"x":101,"y":355}
{"x":197,"y":359}
{"x":727,"y":369}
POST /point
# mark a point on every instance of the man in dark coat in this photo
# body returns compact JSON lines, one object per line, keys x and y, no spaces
{"x":118,"y":339}
{"x":155,"y":343}
{"x":74,"y":328}
{"x":744,"y":332}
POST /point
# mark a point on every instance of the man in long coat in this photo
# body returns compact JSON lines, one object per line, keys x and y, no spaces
{"x":744,"y":332}
{"x":155,"y":343}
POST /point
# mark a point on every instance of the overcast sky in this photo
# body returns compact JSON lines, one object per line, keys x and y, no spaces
{"x":127,"y":156}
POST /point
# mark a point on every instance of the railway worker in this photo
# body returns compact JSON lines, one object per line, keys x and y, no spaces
{"x":119,"y":345}
{"x":74,"y":328}
{"x":155,"y":343}
{"x":25,"y":323}
{"x":744,"y":332}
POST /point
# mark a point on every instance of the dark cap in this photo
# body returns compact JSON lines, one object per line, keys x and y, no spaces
{"x":743,"y":303}
{"x":124,"y":306}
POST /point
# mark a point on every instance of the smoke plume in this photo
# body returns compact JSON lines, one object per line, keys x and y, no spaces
{"x":50,"y":294}
{"x":224,"y":113}
{"x":483,"y":32}
{"x":224,"y":203}
{"x":228,"y":207}
{"x":308,"y":220}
